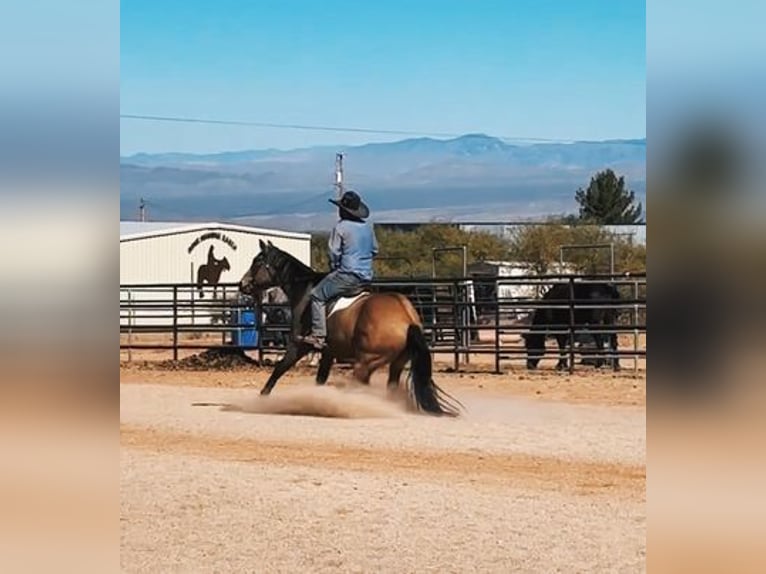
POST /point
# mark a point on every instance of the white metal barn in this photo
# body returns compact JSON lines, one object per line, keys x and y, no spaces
{"x":199,"y":254}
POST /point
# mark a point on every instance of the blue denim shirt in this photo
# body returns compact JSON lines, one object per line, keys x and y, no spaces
{"x":352,"y":246}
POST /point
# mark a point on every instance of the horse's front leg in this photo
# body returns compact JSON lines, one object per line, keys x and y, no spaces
{"x":613,"y":344}
{"x":293,"y":354}
{"x":599,"y":340}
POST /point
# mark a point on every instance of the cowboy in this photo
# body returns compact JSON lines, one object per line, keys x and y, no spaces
{"x":352,"y":247}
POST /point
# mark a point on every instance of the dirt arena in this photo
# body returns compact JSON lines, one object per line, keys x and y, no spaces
{"x":543,"y":473}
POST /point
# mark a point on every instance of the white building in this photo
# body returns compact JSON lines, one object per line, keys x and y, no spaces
{"x":199,"y":255}
{"x":511,"y":270}
{"x":507,"y":292}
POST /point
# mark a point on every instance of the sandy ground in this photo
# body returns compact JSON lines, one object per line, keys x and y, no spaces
{"x":542,"y":473}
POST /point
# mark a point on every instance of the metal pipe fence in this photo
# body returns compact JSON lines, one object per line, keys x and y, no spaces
{"x":463,"y":318}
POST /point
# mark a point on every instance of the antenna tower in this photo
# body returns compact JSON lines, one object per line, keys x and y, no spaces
{"x":338,"y":175}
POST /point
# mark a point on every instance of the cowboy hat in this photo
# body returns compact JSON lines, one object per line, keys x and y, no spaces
{"x":353,"y":204}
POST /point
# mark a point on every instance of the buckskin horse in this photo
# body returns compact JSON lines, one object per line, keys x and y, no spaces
{"x":370,"y":330}
{"x":558,"y":318}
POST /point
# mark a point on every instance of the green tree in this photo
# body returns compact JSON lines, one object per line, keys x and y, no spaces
{"x":607,"y":201}
{"x":405,"y":253}
{"x":540,"y":246}
{"x":320,"y":257}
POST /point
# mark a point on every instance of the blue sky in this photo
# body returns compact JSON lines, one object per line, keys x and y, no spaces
{"x":523,"y":68}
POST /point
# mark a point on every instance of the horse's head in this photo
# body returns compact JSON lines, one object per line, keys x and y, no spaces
{"x":535,"y":345}
{"x":262,"y":273}
{"x":224,"y":263}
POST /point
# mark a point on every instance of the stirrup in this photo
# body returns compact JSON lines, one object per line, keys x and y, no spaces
{"x":313,"y":341}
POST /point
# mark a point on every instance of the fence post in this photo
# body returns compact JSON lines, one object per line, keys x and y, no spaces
{"x":456,"y":319}
{"x":469,"y":291}
{"x":223,"y":310}
{"x":259,"y":323}
{"x":130,"y":326}
{"x":571,"y":325}
{"x":175,"y":322}
{"x":635,"y":329}
{"x":497,"y":327}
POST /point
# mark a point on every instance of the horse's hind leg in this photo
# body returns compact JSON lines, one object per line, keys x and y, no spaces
{"x":325,"y":363}
{"x":366,"y":365}
{"x":395,"y":369}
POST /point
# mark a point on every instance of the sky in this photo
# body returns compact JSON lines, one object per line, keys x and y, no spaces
{"x":559,"y":70}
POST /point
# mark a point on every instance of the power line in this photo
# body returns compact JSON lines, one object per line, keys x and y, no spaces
{"x":247,"y":123}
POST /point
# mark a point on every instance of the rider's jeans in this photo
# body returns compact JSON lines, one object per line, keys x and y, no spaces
{"x":333,"y":285}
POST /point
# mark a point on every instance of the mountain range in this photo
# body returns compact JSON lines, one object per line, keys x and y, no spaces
{"x":474,"y":177}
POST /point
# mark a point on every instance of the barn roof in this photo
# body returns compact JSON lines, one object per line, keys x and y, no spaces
{"x":131,"y":230}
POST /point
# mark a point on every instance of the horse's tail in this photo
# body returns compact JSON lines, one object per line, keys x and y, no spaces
{"x":428,"y":396}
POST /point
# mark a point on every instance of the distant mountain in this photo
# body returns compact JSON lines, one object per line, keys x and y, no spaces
{"x":454,"y":176}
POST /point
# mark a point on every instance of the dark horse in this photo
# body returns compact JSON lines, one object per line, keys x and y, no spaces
{"x":375,"y":330}
{"x":558,"y":318}
{"x":210,"y":272}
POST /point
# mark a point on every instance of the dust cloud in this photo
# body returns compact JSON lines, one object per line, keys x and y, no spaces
{"x":350,"y":402}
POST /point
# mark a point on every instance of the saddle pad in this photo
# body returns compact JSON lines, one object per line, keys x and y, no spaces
{"x":345,"y":302}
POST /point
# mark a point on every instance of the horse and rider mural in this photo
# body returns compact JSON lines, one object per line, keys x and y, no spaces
{"x":210,"y":272}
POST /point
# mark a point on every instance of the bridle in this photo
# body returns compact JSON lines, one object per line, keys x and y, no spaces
{"x":271,"y":271}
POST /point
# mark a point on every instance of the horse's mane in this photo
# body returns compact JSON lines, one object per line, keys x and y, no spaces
{"x":290,"y":268}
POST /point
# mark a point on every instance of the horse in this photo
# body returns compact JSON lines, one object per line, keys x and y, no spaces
{"x":369,"y":330}
{"x":544,"y":319}
{"x":210,"y":272}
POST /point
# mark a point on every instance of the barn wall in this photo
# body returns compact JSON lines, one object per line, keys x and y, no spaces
{"x":176,"y":258}
{"x":167,"y":259}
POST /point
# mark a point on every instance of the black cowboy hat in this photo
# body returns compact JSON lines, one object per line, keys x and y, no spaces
{"x":353,"y":204}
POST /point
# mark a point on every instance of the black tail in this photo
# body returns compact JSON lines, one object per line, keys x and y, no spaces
{"x":428,"y":396}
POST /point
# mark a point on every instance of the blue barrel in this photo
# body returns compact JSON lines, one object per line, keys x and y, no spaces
{"x":245,"y":334}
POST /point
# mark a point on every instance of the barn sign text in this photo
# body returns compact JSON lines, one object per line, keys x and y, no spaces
{"x":213,"y":235}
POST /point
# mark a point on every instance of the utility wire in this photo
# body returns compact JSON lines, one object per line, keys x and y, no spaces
{"x":188,"y":120}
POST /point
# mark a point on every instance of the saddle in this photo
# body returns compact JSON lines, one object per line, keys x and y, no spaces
{"x":347,"y":299}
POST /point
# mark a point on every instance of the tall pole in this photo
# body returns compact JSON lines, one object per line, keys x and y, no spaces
{"x":338,"y":175}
